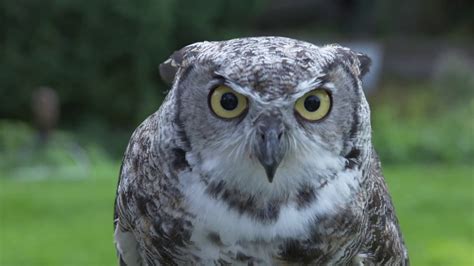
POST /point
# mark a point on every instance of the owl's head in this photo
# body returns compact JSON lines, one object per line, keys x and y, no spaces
{"x":269,"y":113}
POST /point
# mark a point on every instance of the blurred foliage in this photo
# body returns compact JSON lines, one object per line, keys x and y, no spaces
{"x":427,"y":122}
{"x":102,"y":56}
{"x":371,"y":18}
{"x":24,"y":155}
{"x":432,"y":18}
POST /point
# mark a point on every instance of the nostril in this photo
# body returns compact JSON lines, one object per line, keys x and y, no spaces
{"x":262,"y":136}
{"x":279,"y":135}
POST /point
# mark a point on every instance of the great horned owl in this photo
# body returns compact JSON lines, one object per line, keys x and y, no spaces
{"x":261,"y":154}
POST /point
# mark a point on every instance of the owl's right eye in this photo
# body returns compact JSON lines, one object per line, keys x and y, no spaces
{"x":226,"y":103}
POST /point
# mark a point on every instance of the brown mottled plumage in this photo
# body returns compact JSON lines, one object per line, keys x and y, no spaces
{"x":196,"y":189}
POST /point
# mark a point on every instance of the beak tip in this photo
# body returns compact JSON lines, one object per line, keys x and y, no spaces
{"x":270,"y":171}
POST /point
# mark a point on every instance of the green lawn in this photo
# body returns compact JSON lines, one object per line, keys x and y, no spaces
{"x":69,"y":222}
{"x":435,"y":206}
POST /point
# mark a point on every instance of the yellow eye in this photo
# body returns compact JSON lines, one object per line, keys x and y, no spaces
{"x":227,"y":103}
{"x":314,"y":105}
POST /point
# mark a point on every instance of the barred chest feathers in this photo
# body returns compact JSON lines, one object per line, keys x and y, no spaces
{"x":259,"y":223}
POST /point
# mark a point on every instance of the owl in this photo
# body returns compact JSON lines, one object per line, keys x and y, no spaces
{"x":260,"y":154}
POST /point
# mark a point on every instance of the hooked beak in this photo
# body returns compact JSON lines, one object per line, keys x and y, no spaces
{"x":269,"y":148}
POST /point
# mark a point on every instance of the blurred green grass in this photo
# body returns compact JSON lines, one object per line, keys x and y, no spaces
{"x":69,"y":222}
{"x":58,"y":221}
{"x":435,"y":206}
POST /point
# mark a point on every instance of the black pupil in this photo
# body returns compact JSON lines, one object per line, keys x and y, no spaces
{"x":229,"y":101}
{"x":312,"y":103}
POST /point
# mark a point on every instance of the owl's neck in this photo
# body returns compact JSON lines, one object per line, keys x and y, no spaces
{"x":299,"y":183}
{"x":244,"y":205}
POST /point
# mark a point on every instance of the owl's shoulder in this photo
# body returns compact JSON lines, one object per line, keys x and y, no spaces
{"x":149,"y":201}
{"x":384,"y":242}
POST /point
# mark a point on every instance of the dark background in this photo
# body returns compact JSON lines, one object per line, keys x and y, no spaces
{"x":102,"y":57}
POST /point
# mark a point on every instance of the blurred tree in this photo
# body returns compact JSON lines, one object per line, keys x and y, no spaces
{"x":366,"y":18}
{"x":44,"y":104}
{"x":102,"y":56}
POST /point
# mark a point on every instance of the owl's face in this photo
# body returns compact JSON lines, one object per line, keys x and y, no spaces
{"x":267,"y":114}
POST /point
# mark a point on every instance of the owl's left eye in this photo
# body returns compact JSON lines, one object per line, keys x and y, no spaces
{"x":314,"y":105}
{"x":226,"y":103}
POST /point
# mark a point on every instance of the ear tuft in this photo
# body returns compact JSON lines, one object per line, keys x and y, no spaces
{"x":169,"y":68}
{"x":364,"y":64}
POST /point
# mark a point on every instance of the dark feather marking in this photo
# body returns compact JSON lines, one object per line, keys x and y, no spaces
{"x":169,"y":68}
{"x":239,"y":202}
{"x":141,"y":203}
{"x":215,"y":188}
{"x":270,"y":213}
{"x":249,"y":53}
{"x":355,"y":123}
{"x":265,"y":212}
{"x":121,"y":262}
{"x":240,"y":256}
{"x":294,"y":251}
{"x":166,"y":242}
{"x":223,"y":262}
{"x":322,"y":245}
{"x":180,"y":132}
{"x":305,"y":195}
{"x":365,"y":63}
{"x":215,"y":239}
{"x":179,"y":162}
{"x":149,"y":261}
{"x":136,"y":163}
{"x":301,"y":54}
{"x":186,"y":73}
{"x":324,"y":79}
{"x":352,"y":158}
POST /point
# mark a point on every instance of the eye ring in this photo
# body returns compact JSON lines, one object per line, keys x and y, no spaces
{"x":225,"y":103}
{"x":314,"y":105}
